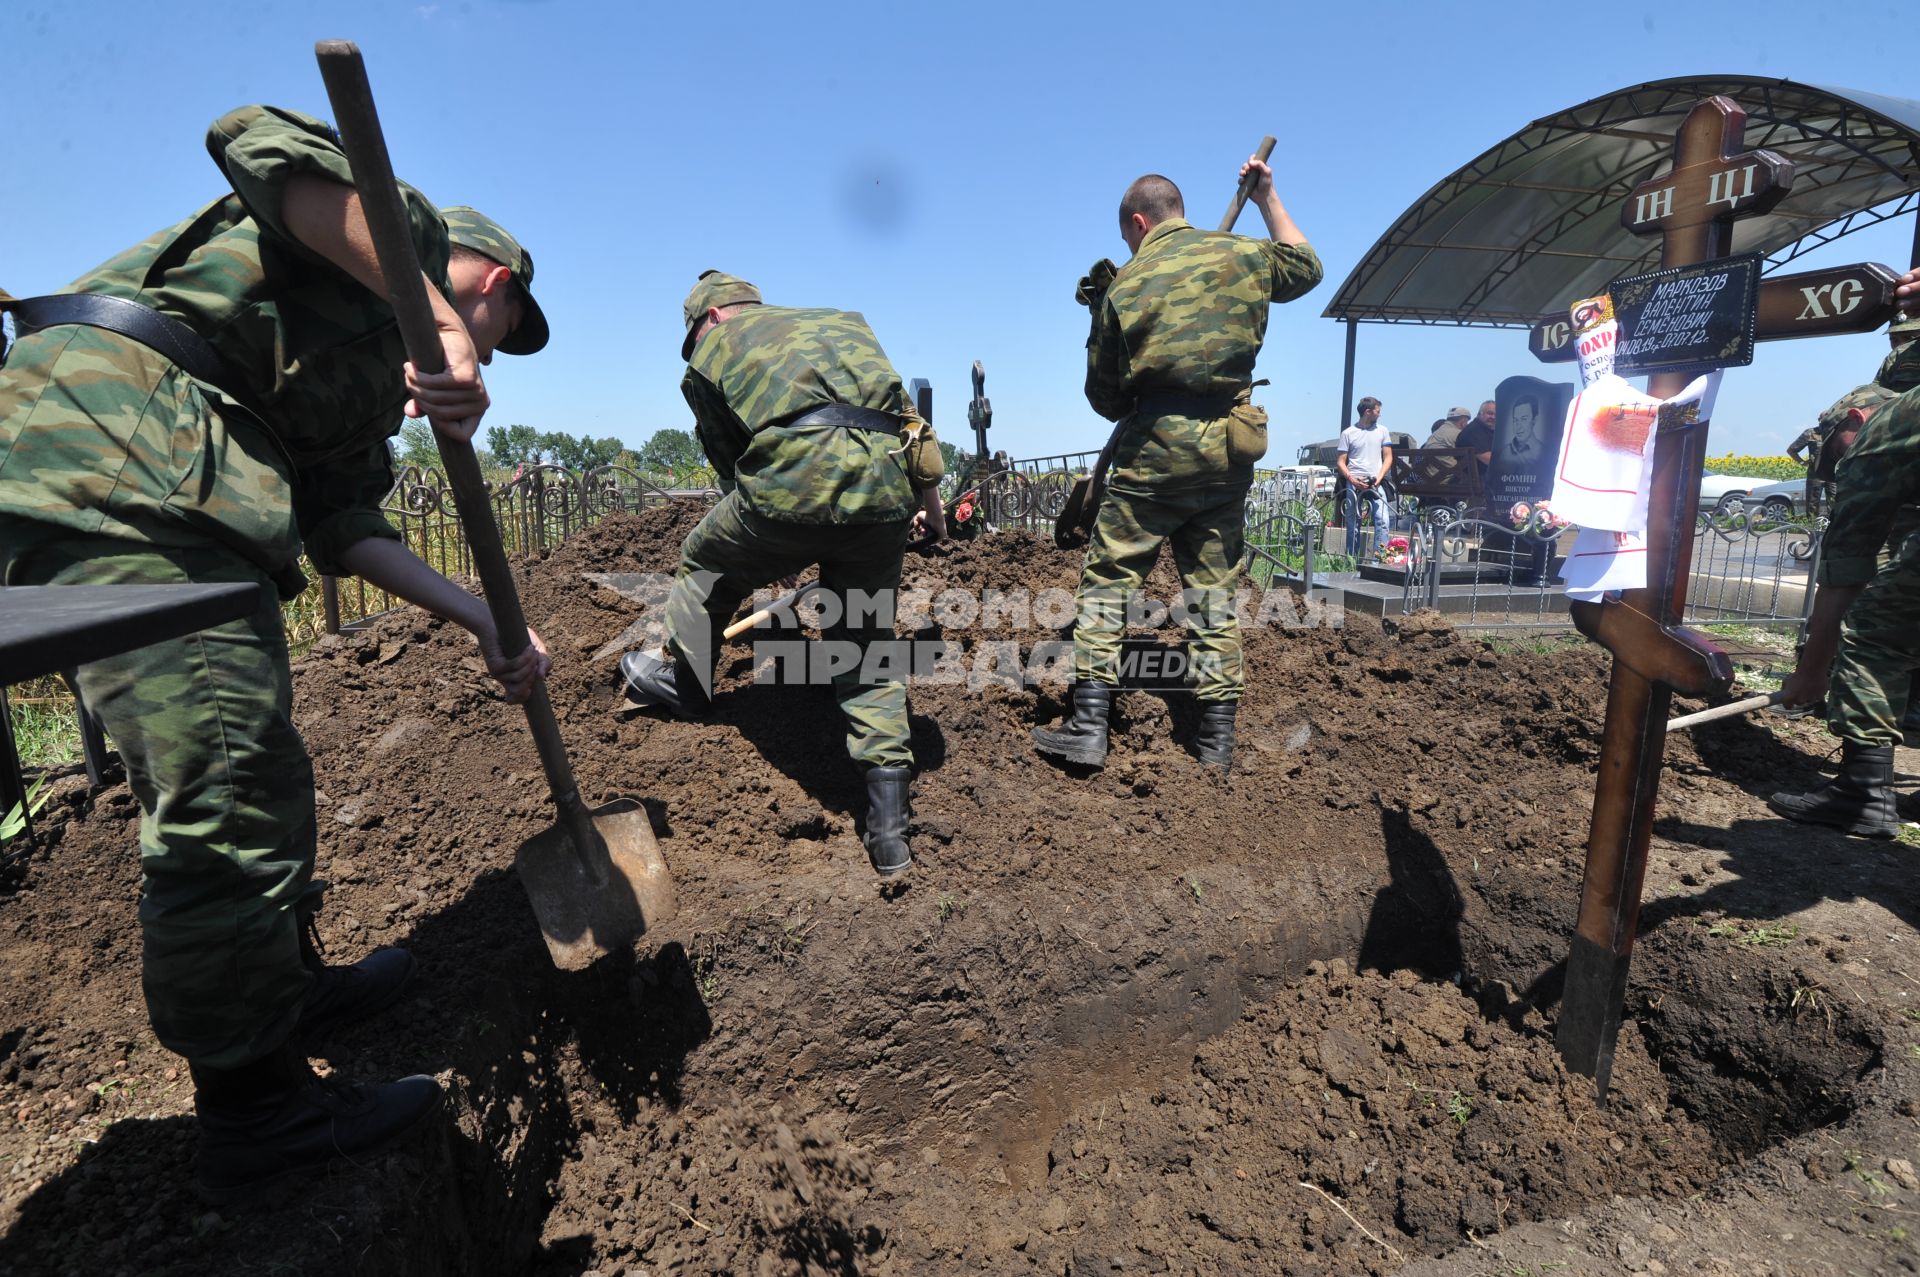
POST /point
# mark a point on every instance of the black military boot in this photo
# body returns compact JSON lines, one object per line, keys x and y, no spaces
{"x":1213,"y":738}
{"x":341,"y":995}
{"x":888,"y":810}
{"x":1858,"y":801}
{"x":274,"y":1117}
{"x":1083,"y":738}
{"x":671,"y":685}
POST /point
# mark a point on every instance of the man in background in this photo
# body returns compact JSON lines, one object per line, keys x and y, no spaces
{"x":1364,"y":459}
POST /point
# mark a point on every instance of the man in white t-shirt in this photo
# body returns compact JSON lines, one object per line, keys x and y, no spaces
{"x":1366,"y":457}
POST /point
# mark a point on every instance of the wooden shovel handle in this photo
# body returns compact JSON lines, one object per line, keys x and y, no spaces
{"x":1246,"y":186}
{"x":366,"y":147}
{"x":781,"y":604}
{"x":1732,"y":709}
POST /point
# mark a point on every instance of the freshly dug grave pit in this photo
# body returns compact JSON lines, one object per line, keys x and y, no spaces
{"x":1145,"y":1020}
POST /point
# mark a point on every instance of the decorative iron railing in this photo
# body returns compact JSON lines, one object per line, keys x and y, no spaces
{"x":541,"y":506}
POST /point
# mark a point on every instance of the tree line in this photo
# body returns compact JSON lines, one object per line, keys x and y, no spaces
{"x":665,"y":452}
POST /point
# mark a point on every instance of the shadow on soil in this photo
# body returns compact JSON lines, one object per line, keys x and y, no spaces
{"x":1780,"y":868}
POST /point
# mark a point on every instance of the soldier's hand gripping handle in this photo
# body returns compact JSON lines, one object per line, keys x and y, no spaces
{"x":1250,"y":175}
{"x":1093,"y":285}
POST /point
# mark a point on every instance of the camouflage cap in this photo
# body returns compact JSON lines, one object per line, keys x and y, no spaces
{"x":1866,"y":398}
{"x":1905,"y":324}
{"x":713,"y":289}
{"x":470,"y":228}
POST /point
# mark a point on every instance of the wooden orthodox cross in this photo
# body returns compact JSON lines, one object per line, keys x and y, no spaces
{"x":1711,"y":183}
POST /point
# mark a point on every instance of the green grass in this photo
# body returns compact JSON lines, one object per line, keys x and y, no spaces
{"x":1538,"y":644}
{"x":1775,"y":638}
{"x":45,"y":730}
{"x":1760,"y":937}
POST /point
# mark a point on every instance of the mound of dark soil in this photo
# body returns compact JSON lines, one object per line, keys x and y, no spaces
{"x":1087,"y":1036}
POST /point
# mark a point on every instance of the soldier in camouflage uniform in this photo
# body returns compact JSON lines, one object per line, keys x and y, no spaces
{"x":118,"y":465}
{"x":1170,"y":356}
{"x":1863,"y":639}
{"x":801,"y":415}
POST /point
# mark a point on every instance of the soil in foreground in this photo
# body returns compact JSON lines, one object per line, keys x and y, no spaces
{"x":1144,"y":1020}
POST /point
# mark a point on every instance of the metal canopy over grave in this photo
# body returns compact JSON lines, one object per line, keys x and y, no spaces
{"x":1534,"y":223}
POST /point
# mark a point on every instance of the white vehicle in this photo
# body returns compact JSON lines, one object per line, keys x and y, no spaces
{"x":1313,"y":480}
{"x":1724,"y":493}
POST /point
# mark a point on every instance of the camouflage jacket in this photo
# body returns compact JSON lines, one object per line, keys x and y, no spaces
{"x":1877,"y":479}
{"x":766,"y":365}
{"x":129,"y":446}
{"x":1186,"y":315}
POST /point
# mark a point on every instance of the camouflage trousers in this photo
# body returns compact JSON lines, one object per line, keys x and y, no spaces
{"x":204,"y":726}
{"x":1880,"y":644}
{"x":1207,"y":527}
{"x":733,"y":552}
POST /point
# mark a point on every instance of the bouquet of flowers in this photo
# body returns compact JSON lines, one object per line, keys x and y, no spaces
{"x":965,"y":519}
{"x":1542,"y":519}
{"x":1397,"y":552}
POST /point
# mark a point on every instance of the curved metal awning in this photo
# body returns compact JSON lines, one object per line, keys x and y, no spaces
{"x":1534,"y":223}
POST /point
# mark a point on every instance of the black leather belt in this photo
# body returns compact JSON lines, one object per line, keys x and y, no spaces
{"x":1183,"y":402}
{"x":848,"y":417}
{"x":163,"y":334}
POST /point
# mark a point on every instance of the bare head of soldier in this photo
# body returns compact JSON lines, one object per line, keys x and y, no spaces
{"x":1148,"y":202}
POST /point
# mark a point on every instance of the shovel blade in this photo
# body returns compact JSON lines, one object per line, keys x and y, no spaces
{"x":583,"y":914}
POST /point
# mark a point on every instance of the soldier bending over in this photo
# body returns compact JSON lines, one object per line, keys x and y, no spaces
{"x":265,"y":425}
{"x":808,"y":427}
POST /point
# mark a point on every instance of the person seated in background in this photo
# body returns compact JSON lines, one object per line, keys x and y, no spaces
{"x":1446,"y":431}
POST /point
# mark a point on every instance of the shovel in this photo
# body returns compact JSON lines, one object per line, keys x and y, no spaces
{"x":793,"y":596}
{"x":1732,"y":709}
{"x":596,"y":879}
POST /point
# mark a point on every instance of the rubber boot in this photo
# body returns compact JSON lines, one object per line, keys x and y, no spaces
{"x":341,"y":995}
{"x":272,"y":1118}
{"x":1213,"y":738}
{"x":888,"y":810}
{"x":665,"y":684}
{"x":1083,"y":737}
{"x":1858,"y":801}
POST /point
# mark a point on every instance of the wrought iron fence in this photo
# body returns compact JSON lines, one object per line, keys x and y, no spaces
{"x":539,"y":507}
{"x":1486,"y":574}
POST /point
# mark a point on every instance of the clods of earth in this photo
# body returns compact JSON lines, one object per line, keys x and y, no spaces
{"x":1144,"y":1020}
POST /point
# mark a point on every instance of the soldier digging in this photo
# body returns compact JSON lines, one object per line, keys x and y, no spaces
{"x":822,"y":460}
{"x":1174,"y":336}
{"x":193,"y":411}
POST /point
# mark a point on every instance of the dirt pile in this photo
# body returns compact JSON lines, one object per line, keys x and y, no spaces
{"x":1093,"y":1003}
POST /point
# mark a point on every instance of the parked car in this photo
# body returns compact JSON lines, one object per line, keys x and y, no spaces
{"x":1724,"y":493}
{"x":1778,"y":502}
{"x":1317,"y":480}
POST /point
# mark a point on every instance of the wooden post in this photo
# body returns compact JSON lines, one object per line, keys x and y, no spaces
{"x":1346,"y":385}
{"x":1692,"y":207}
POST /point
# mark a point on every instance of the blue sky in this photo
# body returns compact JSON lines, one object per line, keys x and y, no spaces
{"x":948,"y":170}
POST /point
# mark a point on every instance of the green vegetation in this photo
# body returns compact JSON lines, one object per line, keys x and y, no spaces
{"x":1459,"y":1108}
{"x":1756,"y":467}
{"x":14,"y":822}
{"x":1758,"y":936}
{"x":1543,"y":644}
{"x":45,"y":732}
